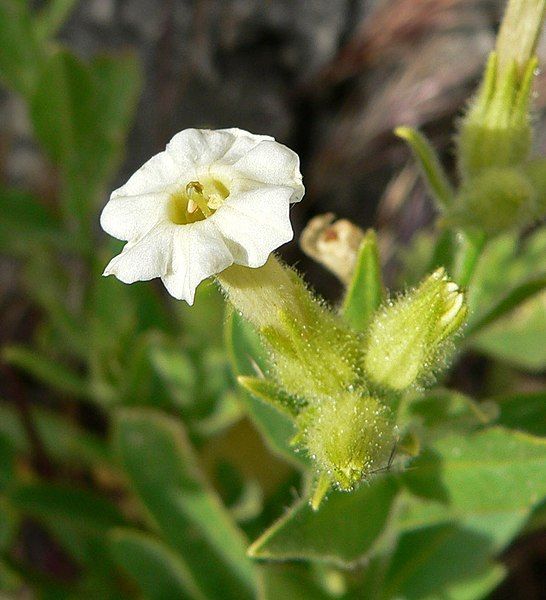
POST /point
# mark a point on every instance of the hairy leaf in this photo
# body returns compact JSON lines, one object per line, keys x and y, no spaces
{"x":248,"y":358}
{"x":155,"y":454}
{"x":346,"y":527}
{"x":158,"y":571}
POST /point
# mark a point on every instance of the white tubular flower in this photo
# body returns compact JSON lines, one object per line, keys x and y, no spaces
{"x":211,"y":199}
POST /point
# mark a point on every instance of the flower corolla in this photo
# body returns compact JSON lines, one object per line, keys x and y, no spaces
{"x":211,"y":199}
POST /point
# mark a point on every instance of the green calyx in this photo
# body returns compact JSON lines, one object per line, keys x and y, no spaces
{"x":495,"y":201}
{"x":496,"y":130}
{"x":339,"y":386}
{"x":350,"y":437}
{"x":407,"y":338}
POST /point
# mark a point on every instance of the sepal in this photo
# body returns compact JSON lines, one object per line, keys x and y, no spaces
{"x":495,"y":201}
{"x":270,"y":392}
{"x":431,"y":167}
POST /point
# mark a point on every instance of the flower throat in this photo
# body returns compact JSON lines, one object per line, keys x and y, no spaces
{"x":197,"y":201}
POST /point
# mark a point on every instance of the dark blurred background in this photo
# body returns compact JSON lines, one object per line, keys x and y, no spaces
{"x":329,"y":78}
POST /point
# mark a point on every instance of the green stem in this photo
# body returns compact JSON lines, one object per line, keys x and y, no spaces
{"x":467,"y":258}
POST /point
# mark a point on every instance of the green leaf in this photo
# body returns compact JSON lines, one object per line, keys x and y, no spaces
{"x":136,"y":384}
{"x":477,"y":587}
{"x":159,"y":572}
{"x":511,"y":300}
{"x":227,"y":411}
{"x":487,"y":481}
{"x":443,"y":410}
{"x":290,"y":582}
{"x":471,"y":245}
{"x":8,"y":524}
{"x":495,"y":469}
{"x":64,"y":442}
{"x":80,"y":114}
{"x":504,"y":264}
{"x":176,"y":370}
{"x":163,"y":470}
{"x":365,"y":292}
{"x":20,"y":55}
{"x":48,"y":371}
{"x":7,"y":459}
{"x":525,"y":411}
{"x":247,"y":355}
{"x":119,"y":81}
{"x":431,"y":167}
{"x":442,"y":252}
{"x":536,"y":172}
{"x":24,"y":220}
{"x":345,"y":529}
{"x":9,"y":580}
{"x":537,"y":521}
{"x":518,"y":338}
{"x":497,"y":528}
{"x":80,"y":509}
{"x":442,"y":561}
{"x":51,"y":17}
{"x":63,"y":108}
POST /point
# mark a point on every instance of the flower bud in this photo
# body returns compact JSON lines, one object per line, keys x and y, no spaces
{"x":407,"y":338}
{"x":519,"y":32}
{"x":349,"y":436}
{"x":496,"y":130}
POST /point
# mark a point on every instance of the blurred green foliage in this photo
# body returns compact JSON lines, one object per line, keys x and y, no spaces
{"x":139,"y":466}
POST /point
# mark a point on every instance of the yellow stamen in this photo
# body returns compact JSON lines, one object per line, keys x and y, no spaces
{"x":192,"y":207}
{"x":196,"y":195}
{"x":197,"y":201}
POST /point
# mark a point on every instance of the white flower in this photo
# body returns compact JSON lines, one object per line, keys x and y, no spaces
{"x":211,"y":199}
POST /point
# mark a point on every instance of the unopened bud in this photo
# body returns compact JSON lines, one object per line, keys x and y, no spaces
{"x":407,"y":338}
{"x":520,"y":29}
{"x":496,"y":131}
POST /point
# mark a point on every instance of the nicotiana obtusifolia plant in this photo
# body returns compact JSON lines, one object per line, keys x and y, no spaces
{"x":401,"y":431}
{"x":217,"y":203}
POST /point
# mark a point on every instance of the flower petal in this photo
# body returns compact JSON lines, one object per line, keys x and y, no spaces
{"x":126,"y":217}
{"x":255,"y":223}
{"x":274,"y":164}
{"x":243,"y":142}
{"x":145,"y":258}
{"x":199,"y":251}
{"x":159,"y":174}
{"x":204,"y":147}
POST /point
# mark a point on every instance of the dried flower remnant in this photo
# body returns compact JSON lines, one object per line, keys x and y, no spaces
{"x":333,"y":244}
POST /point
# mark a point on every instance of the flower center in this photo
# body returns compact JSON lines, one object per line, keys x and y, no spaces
{"x":197,"y":201}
